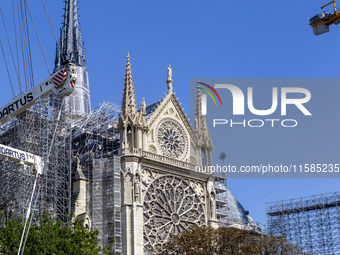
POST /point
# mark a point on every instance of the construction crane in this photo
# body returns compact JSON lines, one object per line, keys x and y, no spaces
{"x":321,"y":22}
{"x":62,"y":84}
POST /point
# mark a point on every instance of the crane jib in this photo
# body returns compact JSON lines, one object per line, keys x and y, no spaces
{"x":22,"y":101}
{"x":60,"y":83}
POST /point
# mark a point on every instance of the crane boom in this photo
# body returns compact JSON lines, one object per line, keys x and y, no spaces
{"x":61,"y":83}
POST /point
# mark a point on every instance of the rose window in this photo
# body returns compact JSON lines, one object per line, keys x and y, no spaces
{"x":170,"y":206}
{"x":172,"y":139}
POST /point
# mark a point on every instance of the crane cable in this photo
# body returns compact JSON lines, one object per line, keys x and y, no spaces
{"x":36,"y":32}
{"x":22,"y":9}
{"x":55,"y":37}
{"x":9,"y":76}
{"x":10,"y":47}
{"x":28,"y":42}
{"x":16,"y":44}
{"x":25,"y":44}
{"x":30,"y":210}
{"x":22,"y":45}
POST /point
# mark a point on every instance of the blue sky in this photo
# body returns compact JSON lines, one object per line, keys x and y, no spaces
{"x":199,"y":39}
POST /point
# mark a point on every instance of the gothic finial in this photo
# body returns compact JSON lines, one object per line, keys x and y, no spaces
{"x":222,"y":157}
{"x":143,"y":107}
{"x":129,"y":106}
{"x":128,"y":64}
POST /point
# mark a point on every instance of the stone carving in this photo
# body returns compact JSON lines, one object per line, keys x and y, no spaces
{"x":136,"y":187}
{"x":213,"y":203}
{"x":150,"y":136}
{"x":143,"y":106}
{"x":193,"y":160}
{"x":87,"y":223}
{"x":152,"y":149}
{"x":147,"y":177}
{"x":170,"y":206}
{"x":169,"y":73}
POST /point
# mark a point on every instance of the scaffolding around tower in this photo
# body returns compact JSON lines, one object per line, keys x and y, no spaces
{"x":96,"y":183}
{"x":312,"y":223}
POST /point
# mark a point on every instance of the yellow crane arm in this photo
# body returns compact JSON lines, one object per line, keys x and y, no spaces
{"x":321,"y":22}
{"x":333,"y":2}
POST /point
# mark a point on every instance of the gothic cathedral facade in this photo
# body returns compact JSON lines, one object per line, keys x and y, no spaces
{"x":161,"y":191}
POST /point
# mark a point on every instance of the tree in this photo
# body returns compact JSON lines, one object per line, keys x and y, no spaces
{"x":279,"y":245}
{"x":225,"y":241}
{"x":49,"y":236}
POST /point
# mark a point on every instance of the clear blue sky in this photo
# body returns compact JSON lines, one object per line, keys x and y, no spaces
{"x":199,"y":39}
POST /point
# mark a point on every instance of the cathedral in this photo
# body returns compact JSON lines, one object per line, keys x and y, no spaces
{"x":156,"y":155}
{"x":129,"y":171}
{"x":161,"y":192}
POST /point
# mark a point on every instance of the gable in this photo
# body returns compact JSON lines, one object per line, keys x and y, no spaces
{"x":166,"y":121}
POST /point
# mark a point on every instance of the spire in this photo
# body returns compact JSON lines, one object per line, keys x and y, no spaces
{"x":70,"y":45}
{"x":129,"y":106}
{"x":201,"y":125}
{"x":198,"y":103}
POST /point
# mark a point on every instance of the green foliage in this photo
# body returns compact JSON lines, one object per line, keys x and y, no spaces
{"x":50,"y":236}
{"x":226,"y":241}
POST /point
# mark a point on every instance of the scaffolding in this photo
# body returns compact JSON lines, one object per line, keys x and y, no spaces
{"x":229,"y":211}
{"x":105,"y":202}
{"x":83,"y":169}
{"x":85,"y":148}
{"x":95,"y":145}
{"x":312,"y":223}
{"x":31,"y":132}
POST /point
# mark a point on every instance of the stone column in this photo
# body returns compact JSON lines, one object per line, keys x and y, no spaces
{"x":133,"y":145}
{"x":144,"y":134}
{"x":205,"y":157}
{"x":139,"y":139}
{"x":209,"y":158}
{"x":132,"y":210}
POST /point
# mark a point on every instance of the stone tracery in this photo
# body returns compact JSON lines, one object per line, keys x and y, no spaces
{"x":171,"y":138}
{"x":170,"y":206}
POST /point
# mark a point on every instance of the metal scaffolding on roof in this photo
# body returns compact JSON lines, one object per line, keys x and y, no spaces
{"x":312,"y":223}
